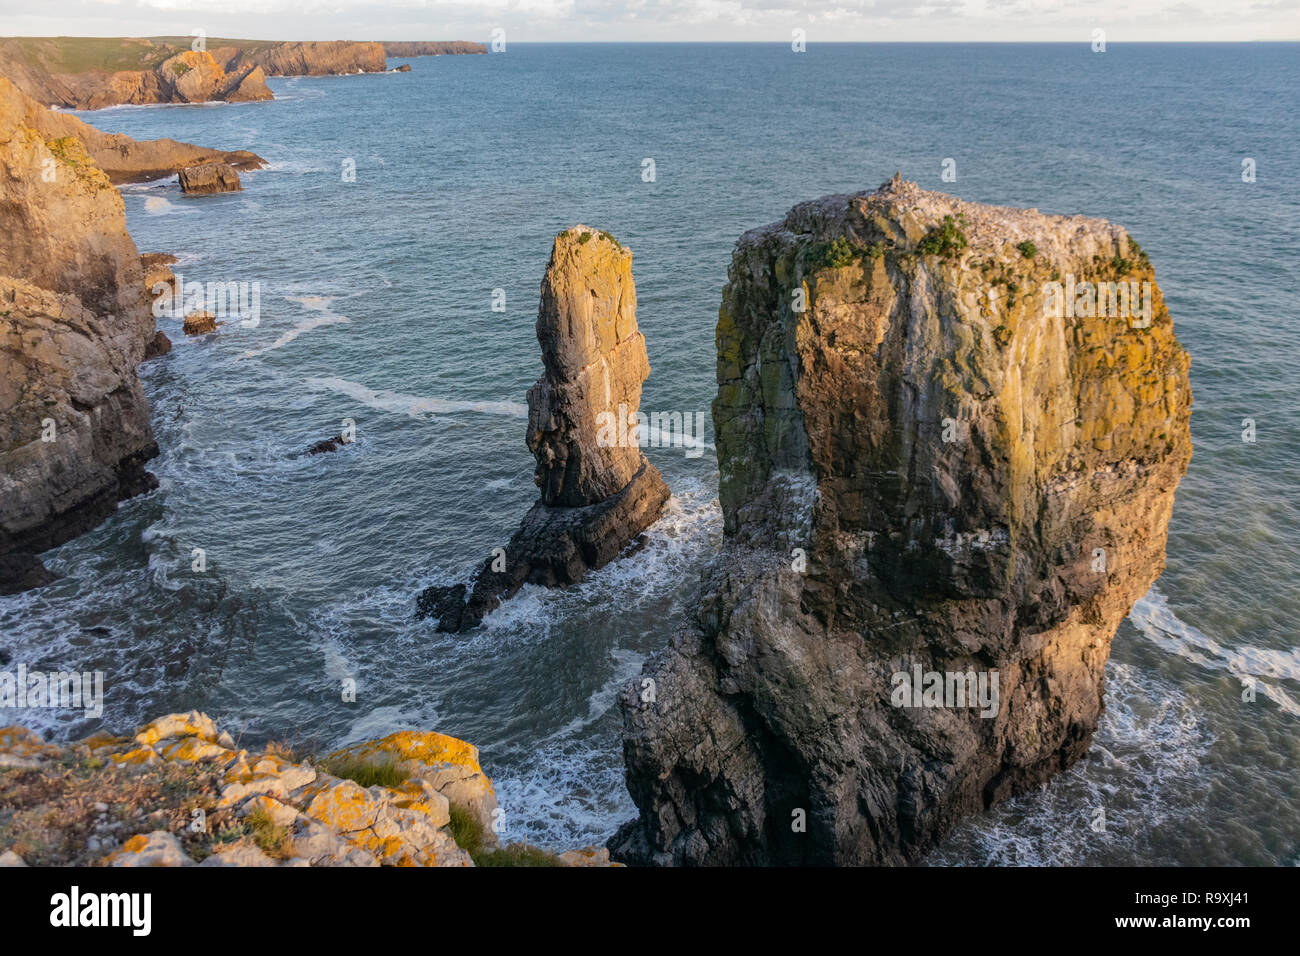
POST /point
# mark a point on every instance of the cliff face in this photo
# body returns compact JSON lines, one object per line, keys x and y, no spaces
{"x":122,"y":159}
{"x":92,"y":73}
{"x":74,"y":324}
{"x":404,"y":48}
{"x":931,"y":463}
{"x":309,"y":58}
{"x":598,"y":492}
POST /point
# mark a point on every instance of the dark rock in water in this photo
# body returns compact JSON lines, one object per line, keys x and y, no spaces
{"x":404,"y":68}
{"x":930,"y":478}
{"x":446,"y":603}
{"x":597,"y":495}
{"x":326,"y":445}
{"x":158,"y":345}
{"x":20,"y":571}
{"x":209,"y":178}
{"x":5,"y":657}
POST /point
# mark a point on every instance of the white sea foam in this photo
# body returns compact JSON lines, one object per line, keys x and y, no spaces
{"x":158,"y":206}
{"x":1157,"y":622}
{"x":316,"y":304}
{"x":414,"y":405}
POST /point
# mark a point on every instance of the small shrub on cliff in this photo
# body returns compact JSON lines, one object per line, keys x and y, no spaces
{"x":944,"y":240}
{"x":1028,"y":249}
{"x":832,"y":255}
{"x":180,"y":68}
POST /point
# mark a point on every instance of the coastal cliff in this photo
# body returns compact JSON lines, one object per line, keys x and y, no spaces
{"x":74,"y":324}
{"x":598,"y":494}
{"x":410,"y":48}
{"x":949,"y":437}
{"x":93,"y":73}
{"x":121,"y":158}
{"x":180,"y":791}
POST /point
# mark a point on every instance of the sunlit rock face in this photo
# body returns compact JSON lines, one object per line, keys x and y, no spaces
{"x":598,"y":490}
{"x":74,"y":325}
{"x":940,"y":454}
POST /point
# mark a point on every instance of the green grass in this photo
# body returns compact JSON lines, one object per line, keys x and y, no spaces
{"x":366,"y":773}
{"x":468,"y":833}
{"x":271,"y":838}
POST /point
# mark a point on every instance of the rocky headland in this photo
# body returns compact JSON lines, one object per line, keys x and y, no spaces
{"x":597,"y":495}
{"x":92,"y":73}
{"x":410,"y":48}
{"x":931,"y":464}
{"x":182,"y":792}
{"x":121,"y":158}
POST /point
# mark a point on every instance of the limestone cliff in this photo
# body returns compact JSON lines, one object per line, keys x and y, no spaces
{"x":312,"y":58}
{"x":598,"y":491}
{"x":404,"y":48}
{"x":123,"y":159}
{"x":939,"y":455}
{"x":74,"y":324}
{"x":181,"y":791}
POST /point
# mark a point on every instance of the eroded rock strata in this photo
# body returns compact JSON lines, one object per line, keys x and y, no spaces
{"x":927,"y":461}
{"x":122,"y":159}
{"x":74,"y":325}
{"x":597,"y":495}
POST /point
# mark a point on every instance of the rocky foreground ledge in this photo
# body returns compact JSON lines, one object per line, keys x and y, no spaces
{"x":181,"y":792}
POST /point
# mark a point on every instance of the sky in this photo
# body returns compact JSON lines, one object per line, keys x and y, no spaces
{"x":663,"y":20}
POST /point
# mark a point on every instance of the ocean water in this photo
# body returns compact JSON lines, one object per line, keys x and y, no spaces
{"x":376,"y":306}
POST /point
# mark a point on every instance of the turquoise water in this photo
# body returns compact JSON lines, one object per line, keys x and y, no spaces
{"x":376,"y":306}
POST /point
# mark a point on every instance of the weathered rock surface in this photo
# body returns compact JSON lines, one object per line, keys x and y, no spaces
{"x":200,"y":322}
{"x":976,"y":484}
{"x":122,"y":159}
{"x":74,"y":325}
{"x":313,"y":58}
{"x":597,"y":495}
{"x":259,"y":808}
{"x":208,"y":178}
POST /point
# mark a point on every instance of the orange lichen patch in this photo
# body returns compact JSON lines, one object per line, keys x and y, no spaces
{"x":428,"y":748}
{"x":192,"y":748}
{"x":135,"y":844}
{"x":192,"y":724}
{"x":101,"y":739}
{"x":344,"y":807}
{"x":140,"y":756}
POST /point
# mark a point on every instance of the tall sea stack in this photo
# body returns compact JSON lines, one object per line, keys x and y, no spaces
{"x":949,"y":437}
{"x":598,"y":491}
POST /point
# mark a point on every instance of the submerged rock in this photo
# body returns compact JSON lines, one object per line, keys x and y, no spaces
{"x":943,"y":488}
{"x":209,"y":178}
{"x":597,"y":495}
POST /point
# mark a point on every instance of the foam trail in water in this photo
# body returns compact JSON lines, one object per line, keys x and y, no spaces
{"x":1156,"y":621}
{"x":414,"y":405}
{"x":316,"y":303}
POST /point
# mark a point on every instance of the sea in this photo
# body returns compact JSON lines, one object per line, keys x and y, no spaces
{"x":397,"y":240}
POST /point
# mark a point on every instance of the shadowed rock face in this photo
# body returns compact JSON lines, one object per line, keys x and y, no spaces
{"x":597,"y":496}
{"x":974,"y":483}
{"x":74,"y":324}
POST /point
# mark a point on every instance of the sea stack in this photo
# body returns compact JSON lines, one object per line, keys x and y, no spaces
{"x":598,"y":491}
{"x":75,"y":323}
{"x":949,"y":437}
